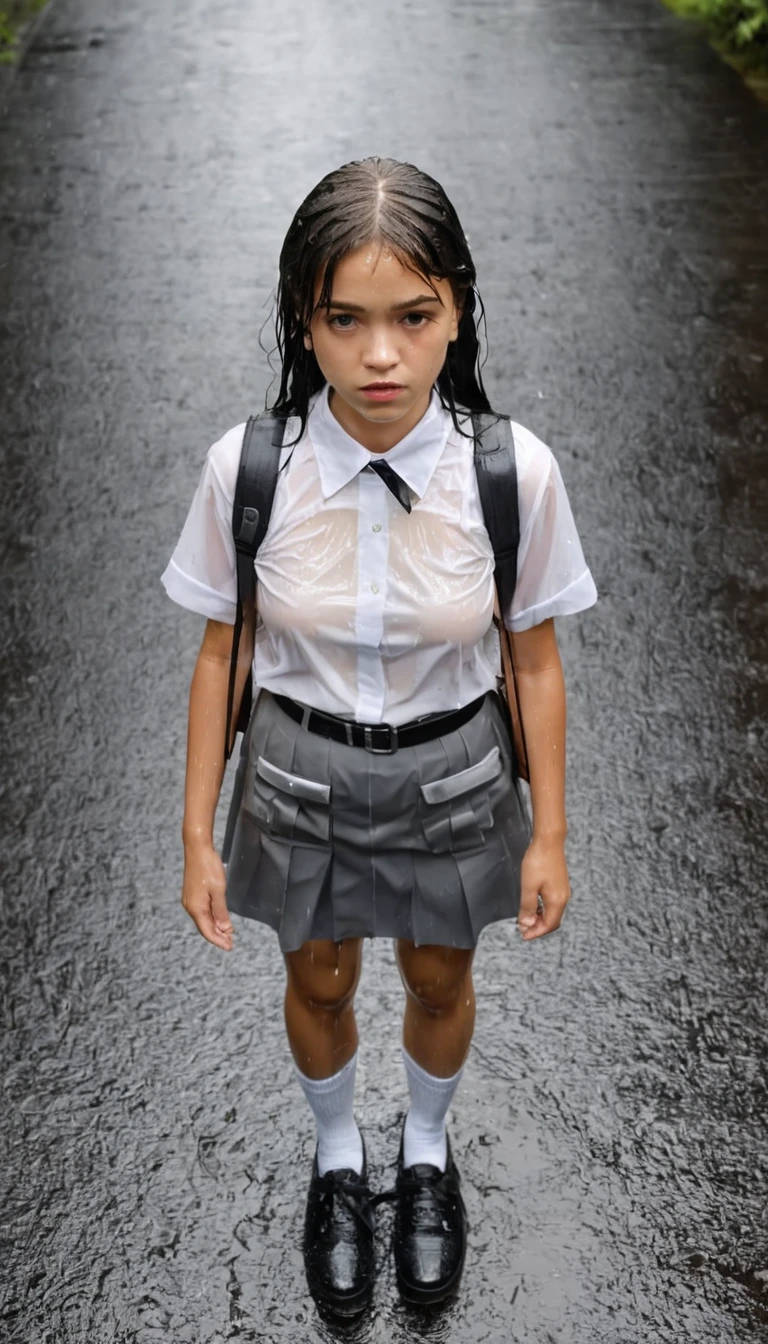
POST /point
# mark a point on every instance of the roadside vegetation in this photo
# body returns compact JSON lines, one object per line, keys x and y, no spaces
{"x":737,"y":28}
{"x":14,"y":17}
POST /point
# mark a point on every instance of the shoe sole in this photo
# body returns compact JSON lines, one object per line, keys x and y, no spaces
{"x":419,"y":1296}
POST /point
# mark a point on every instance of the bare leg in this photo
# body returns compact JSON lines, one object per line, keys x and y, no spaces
{"x":430,"y":1234}
{"x":440,"y":1005}
{"x":322,"y":977}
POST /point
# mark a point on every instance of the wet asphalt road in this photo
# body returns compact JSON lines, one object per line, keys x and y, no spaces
{"x":611,"y":1128}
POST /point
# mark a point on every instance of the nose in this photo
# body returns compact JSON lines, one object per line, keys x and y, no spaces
{"x":381,"y":353}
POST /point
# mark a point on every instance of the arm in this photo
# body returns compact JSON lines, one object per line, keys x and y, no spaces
{"x":204,"y":877}
{"x":541,"y":691}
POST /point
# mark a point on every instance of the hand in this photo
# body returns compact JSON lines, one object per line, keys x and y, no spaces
{"x":544,"y":875}
{"x":203,"y":894}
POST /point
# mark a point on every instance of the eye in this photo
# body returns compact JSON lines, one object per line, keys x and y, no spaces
{"x":342,"y":321}
{"x":415,"y":320}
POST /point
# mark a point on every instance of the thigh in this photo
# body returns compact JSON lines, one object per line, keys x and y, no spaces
{"x":325,"y":972}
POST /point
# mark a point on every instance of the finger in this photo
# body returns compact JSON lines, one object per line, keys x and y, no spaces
{"x":219,"y":912}
{"x":547,"y":921}
{"x":533,"y":930}
{"x":220,"y":938}
{"x":529,"y":905}
{"x":204,"y":922}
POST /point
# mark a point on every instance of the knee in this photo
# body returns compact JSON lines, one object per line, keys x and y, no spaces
{"x":324,"y":975}
{"x":436,"y":977}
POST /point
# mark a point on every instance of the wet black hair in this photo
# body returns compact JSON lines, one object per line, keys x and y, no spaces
{"x":398,"y":205}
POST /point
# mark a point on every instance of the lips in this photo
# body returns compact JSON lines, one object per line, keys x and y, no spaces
{"x":382,"y":391}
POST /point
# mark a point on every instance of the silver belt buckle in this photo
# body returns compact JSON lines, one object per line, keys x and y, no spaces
{"x":380,"y":751}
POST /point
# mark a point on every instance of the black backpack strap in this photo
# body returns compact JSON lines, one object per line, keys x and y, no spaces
{"x":251,"y":511}
{"x":496,"y":473}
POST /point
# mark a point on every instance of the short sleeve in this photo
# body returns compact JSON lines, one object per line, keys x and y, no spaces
{"x":201,"y":575}
{"x":552,"y":575}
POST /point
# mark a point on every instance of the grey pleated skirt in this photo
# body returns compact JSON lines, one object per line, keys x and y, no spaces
{"x":332,"y":841}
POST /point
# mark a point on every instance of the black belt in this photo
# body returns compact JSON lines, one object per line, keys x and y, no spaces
{"x":378,"y":737}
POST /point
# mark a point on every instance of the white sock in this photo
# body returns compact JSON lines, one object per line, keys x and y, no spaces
{"x":339,"y":1142}
{"x":424,"y":1138}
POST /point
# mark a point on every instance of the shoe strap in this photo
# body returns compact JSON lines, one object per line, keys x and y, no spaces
{"x":353,"y":1192}
{"x":422,"y":1176}
{"x":384,"y":1197}
{"x":425,"y":1177}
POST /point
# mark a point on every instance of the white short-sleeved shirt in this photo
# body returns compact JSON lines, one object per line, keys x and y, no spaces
{"x":367,"y":611}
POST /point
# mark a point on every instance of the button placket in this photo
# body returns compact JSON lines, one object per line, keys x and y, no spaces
{"x":372,"y":559}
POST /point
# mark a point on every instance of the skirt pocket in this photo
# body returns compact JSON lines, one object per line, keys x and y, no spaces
{"x":289,"y":806}
{"x":456,"y":810}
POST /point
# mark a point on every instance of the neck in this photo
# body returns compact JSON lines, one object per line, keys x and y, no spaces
{"x":376,"y":438}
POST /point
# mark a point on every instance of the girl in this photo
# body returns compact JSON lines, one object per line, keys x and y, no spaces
{"x":375,"y":599}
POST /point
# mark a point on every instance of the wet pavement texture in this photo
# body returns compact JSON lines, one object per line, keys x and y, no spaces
{"x":611,"y":1124}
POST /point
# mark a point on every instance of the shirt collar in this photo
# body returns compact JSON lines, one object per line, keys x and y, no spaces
{"x":340,"y":457}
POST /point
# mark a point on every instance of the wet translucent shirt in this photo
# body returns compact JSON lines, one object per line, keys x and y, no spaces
{"x":367,"y":611}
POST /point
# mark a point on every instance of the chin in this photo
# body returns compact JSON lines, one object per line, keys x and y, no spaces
{"x":386,"y":410}
{"x":383,"y":410}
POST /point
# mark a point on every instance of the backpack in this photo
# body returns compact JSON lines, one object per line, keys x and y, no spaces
{"x":496,"y":474}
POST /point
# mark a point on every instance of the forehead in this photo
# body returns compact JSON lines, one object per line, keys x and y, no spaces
{"x":372,"y":274}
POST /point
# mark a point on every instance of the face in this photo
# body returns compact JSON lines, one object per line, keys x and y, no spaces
{"x":382,"y":344}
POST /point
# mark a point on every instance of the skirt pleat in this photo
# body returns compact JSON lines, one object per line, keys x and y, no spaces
{"x":335,"y":842}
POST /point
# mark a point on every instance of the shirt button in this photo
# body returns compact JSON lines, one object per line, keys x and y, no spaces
{"x":376,"y":527}
{"x":374,"y":587}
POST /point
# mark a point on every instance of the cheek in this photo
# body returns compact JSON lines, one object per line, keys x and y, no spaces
{"x":326,"y":349}
{"x":434,"y":350}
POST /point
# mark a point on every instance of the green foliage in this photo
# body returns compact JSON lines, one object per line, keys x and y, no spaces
{"x":13,"y":15}
{"x":739,"y":26}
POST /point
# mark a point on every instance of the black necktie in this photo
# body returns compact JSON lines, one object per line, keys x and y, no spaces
{"x":394,"y":483}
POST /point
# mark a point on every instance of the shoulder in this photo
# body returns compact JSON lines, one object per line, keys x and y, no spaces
{"x":537,"y":470}
{"x":535,"y":463}
{"x":532,"y":455}
{"x":223,"y":459}
{"x":535,"y":467}
{"x":222,"y":464}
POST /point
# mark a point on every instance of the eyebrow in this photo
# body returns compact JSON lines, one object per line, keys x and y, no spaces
{"x":396,"y":307}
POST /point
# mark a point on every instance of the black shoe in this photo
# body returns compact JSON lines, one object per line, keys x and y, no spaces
{"x":430,"y":1233}
{"x":338,"y":1239}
